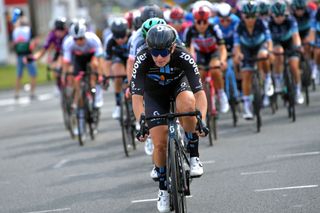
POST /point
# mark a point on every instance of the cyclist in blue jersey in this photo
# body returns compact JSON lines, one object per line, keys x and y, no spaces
{"x":285,"y":36}
{"x":315,"y":41}
{"x":304,"y":17}
{"x":251,"y":40}
{"x":227,"y":22}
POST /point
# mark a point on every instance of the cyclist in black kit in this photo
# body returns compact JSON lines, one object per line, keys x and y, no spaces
{"x":117,"y":50}
{"x":161,"y":71}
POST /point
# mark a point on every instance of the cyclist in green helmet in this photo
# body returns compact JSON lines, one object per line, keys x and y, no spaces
{"x":150,"y":23}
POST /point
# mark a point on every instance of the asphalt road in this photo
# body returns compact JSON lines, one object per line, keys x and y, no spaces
{"x":43,"y":170}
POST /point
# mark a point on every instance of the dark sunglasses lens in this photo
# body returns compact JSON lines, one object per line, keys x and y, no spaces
{"x":163,"y":53}
{"x":78,"y":39}
{"x":199,"y":22}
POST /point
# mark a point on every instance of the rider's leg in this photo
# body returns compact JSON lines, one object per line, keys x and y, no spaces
{"x":278,"y":67}
{"x":264,"y":65}
{"x":118,"y":69}
{"x":185,"y":102}
{"x":219,"y":84}
{"x":246,"y":77}
{"x":294,"y":66}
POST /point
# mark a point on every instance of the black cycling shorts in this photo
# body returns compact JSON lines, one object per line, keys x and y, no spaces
{"x":288,"y":47}
{"x":81,"y":62}
{"x":158,"y":102}
{"x":205,"y":58}
{"x":248,"y":54}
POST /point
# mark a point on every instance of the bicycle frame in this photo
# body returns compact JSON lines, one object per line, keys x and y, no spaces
{"x":178,"y":165}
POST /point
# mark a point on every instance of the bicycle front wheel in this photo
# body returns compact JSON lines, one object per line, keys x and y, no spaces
{"x":257,"y":101}
{"x":177,"y":179}
{"x":124,"y":127}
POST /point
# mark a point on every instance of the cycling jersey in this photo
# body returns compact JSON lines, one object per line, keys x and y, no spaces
{"x":146,"y":76}
{"x":282,"y":33}
{"x":206,"y":43}
{"x":251,"y":44}
{"x":229,"y":30}
{"x":304,"y":22}
{"x":80,"y":56}
{"x":259,"y":36}
{"x":116,"y":52}
{"x":53,"y":40}
{"x":137,"y":43}
{"x":92,"y":46}
{"x":159,"y":84}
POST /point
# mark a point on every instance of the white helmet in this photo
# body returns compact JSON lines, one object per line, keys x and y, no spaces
{"x":78,"y":30}
{"x":224,"y":9}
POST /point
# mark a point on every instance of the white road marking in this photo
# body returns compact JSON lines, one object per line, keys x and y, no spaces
{"x":25,"y":100}
{"x":258,"y":172}
{"x":149,"y":200}
{"x":297,"y":206}
{"x":286,"y":188}
{"x":53,"y":210}
{"x":45,"y":97}
{"x":77,"y":174}
{"x":293,"y":155}
{"x":208,"y":162}
{"x":60,"y":164}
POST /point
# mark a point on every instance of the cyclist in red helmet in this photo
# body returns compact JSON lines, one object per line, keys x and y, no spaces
{"x":177,"y":21}
{"x":206,"y":43}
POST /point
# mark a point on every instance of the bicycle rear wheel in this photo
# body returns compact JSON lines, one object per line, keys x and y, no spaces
{"x":177,"y":179}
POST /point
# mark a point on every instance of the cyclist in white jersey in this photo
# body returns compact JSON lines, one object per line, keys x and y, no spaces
{"x":80,"y":49}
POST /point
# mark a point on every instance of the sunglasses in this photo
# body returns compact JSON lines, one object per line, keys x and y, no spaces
{"x":250,"y":16}
{"x":79,"y":39}
{"x":204,"y":22}
{"x":225,"y":19}
{"x":162,"y":52}
{"x":180,"y":21}
{"x":278,"y":15}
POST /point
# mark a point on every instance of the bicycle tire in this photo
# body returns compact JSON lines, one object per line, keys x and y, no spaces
{"x":233,"y":103}
{"x":130,"y":123}
{"x":291,"y":95}
{"x":123,"y":121}
{"x":209,"y":113}
{"x":80,"y":132}
{"x":305,"y":77}
{"x":177,"y":174}
{"x":257,"y":101}
{"x":210,"y":130}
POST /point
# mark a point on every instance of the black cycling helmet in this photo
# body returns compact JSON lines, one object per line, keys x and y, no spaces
{"x":60,"y":24}
{"x":151,"y":11}
{"x":264,"y":8}
{"x":119,"y":28}
{"x":299,"y":4}
{"x":278,"y":9}
{"x":249,"y":8}
{"x":161,"y":36}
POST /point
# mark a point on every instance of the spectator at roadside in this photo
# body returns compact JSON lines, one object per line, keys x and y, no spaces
{"x":24,"y":43}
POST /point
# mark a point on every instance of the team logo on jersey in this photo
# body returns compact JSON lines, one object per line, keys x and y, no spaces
{"x":191,"y":61}
{"x":137,"y":63}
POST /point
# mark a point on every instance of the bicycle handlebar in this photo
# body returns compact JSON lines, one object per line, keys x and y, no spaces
{"x":169,"y":116}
